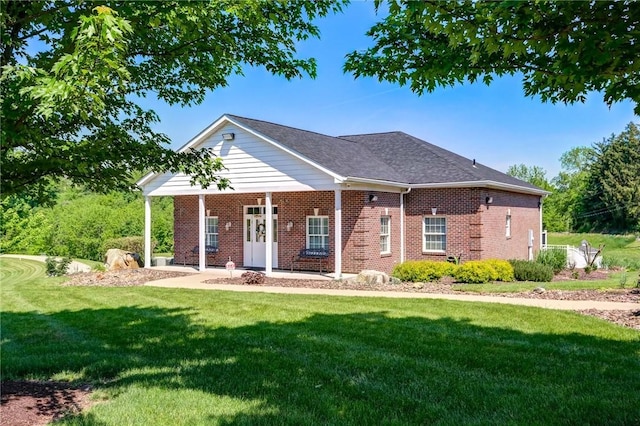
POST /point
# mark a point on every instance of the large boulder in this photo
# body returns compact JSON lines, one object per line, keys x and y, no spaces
{"x":372,"y":277}
{"x":119,"y":259}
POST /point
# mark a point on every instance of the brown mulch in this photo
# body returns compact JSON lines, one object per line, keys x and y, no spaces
{"x":31,"y":403}
{"x":122,"y":278}
{"x":38,"y":403}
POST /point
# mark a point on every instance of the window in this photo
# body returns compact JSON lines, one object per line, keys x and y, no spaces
{"x":508,"y":225}
{"x":211,"y":231}
{"x":435,"y":234}
{"x":385,"y":234}
{"x":318,"y":232}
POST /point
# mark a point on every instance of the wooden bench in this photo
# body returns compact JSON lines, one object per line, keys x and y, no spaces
{"x":195,"y":252}
{"x":307,"y":254}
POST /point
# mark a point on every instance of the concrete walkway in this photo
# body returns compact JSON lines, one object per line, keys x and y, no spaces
{"x":73,"y":267}
{"x":196,"y":281}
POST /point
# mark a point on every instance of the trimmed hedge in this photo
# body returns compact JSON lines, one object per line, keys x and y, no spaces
{"x":475,"y":272}
{"x":503,"y":270}
{"x":525,"y":270}
{"x":423,"y":270}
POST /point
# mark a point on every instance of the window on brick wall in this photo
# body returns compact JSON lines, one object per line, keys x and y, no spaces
{"x":434,"y":230}
{"x":385,"y":234}
{"x":318,"y":232}
{"x":508,"y":224}
{"x":211,"y":231}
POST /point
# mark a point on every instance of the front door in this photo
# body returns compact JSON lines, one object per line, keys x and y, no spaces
{"x":255,"y":237}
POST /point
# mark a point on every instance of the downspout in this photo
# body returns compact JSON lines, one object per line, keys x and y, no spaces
{"x":540,"y":237}
{"x":402,"y":242}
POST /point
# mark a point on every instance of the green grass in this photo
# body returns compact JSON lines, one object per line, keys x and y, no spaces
{"x":188,"y":357}
{"x":619,"y":250}
{"x":613,"y":282}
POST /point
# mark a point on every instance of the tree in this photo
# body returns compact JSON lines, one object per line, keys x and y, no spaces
{"x":72,"y":73}
{"x":612,"y":192}
{"x":570,"y":186}
{"x":563,"y":50}
{"x":535,"y":175}
{"x":80,"y":222}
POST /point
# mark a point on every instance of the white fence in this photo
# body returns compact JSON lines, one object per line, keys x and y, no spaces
{"x":576,"y":256}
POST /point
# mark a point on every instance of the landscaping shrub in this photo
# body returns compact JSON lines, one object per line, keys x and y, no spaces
{"x":55,"y":267}
{"x":503,"y":270}
{"x":251,"y":277}
{"x":422,"y":270}
{"x":475,"y":272}
{"x":556,"y":258}
{"x":524,"y":270}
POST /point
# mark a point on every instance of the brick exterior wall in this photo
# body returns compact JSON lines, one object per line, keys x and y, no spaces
{"x":525,"y":216}
{"x":460,"y":207}
{"x":475,"y":230}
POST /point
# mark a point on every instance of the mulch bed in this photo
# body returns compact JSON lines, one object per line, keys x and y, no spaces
{"x":38,"y":403}
{"x":32,"y":403}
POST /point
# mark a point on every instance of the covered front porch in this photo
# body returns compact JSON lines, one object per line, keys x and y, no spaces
{"x":262,"y":231}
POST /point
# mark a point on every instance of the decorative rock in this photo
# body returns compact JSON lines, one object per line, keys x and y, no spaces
{"x":372,"y":277}
{"x":418,"y":285}
{"x":116,"y":259}
{"x":539,"y":290}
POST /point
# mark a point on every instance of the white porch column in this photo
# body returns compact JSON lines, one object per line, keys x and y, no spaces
{"x":147,"y":231}
{"x":338,"y":234}
{"x":202,"y":257}
{"x":268,"y":269}
{"x":401,"y":227}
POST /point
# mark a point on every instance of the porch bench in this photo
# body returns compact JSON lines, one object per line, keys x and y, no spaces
{"x":308,"y":254}
{"x":208,"y":251}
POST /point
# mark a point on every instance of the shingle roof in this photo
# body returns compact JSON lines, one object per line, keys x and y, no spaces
{"x":394,"y":156}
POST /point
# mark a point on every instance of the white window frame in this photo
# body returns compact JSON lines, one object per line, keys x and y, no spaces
{"x":428,"y":248}
{"x":323,"y":236}
{"x":508,"y":225}
{"x":385,"y":234}
{"x":211,"y":230}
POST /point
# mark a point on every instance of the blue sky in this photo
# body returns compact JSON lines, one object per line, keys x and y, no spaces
{"x":494,"y":124}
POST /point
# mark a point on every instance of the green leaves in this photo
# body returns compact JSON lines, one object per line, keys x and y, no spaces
{"x":71,"y":73}
{"x":564,"y":50}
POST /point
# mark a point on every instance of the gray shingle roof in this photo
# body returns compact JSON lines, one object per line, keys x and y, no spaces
{"x":394,"y":156}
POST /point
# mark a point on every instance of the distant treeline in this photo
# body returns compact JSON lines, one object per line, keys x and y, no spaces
{"x":78,"y":223}
{"x":598,"y":188}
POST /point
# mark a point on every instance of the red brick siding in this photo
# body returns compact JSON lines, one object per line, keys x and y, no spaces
{"x":525,"y":215}
{"x":473,"y":230}
{"x":361,"y":230}
{"x":460,"y":208}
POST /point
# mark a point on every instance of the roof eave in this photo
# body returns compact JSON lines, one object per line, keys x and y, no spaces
{"x":484,"y":184}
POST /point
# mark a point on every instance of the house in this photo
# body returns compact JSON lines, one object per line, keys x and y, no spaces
{"x":371,"y":201}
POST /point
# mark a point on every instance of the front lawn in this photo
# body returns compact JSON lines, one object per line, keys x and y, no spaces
{"x":187,"y":357}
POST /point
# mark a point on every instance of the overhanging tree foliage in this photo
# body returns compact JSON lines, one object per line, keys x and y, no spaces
{"x":73,"y":70}
{"x":563,"y":50}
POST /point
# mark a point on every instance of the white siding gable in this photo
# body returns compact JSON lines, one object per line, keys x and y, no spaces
{"x":254,"y":165}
